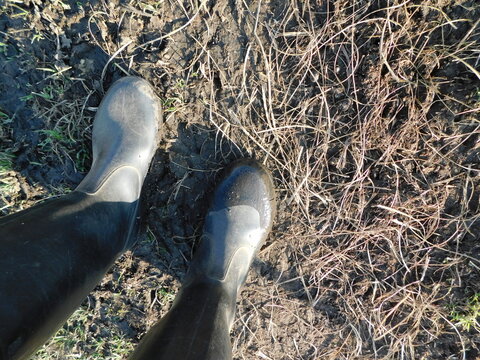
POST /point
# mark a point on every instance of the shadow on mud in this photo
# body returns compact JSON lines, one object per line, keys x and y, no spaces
{"x":176,"y":196}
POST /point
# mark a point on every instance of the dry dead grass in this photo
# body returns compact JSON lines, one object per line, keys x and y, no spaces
{"x":370,"y":151}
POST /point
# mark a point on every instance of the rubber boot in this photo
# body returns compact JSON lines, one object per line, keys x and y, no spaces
{"x":53,"y":254}
{"x":240,"y":217}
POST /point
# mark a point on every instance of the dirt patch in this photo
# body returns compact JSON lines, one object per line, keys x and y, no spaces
{"x":365,"y":111}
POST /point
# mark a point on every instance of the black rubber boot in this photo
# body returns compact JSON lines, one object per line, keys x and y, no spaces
{"x":53,"y":254}
{"x":238,"y":222}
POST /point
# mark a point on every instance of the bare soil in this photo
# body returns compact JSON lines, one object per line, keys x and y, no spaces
{"x":367,"y":113}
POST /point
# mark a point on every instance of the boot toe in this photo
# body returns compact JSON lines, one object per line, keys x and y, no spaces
{"x":247,"y":182}
{"x":125,"y":133}
{"x":132,"y":105}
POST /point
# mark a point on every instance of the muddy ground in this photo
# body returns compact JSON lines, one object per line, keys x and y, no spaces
{"x":367,"y":114}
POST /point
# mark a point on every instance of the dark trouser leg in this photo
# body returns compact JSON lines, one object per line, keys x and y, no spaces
{"x":196,"y":328}
{"x":51,"y":256}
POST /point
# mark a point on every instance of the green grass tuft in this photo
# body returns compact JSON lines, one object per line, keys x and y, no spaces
{"x":467,"y":318}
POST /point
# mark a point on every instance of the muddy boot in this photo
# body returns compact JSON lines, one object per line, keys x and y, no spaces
{"x":198,"y":324}
{"x":53,"y":254}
